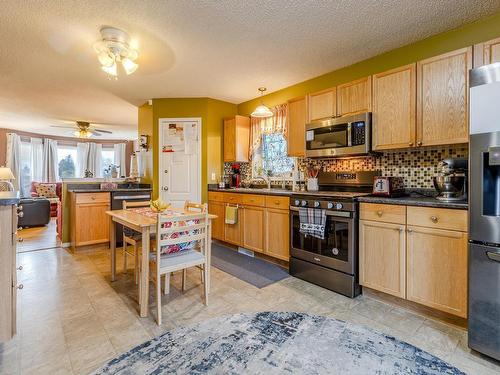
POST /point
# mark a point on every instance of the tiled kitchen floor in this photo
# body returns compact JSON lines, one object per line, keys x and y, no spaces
{"x":72,"y":319}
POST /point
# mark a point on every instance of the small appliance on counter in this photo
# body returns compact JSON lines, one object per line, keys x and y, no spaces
{"x":451,"y":184}
{"x":235,"y":176}
{"x":388,"y":186}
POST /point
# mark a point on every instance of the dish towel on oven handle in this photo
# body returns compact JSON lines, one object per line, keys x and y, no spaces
{"x":312,"y":222}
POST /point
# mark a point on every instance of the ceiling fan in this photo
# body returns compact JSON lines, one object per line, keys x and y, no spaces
{"x":83,"y":130}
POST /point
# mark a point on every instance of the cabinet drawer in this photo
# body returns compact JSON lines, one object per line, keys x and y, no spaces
{"x":215,"y":196}
{"x":278,"y":202}
{"x":82,"y":198}
{"x":253,"y":200}
{"x":440,"y":218}
{"x":387,"y":213}
{"x":233,"y":198}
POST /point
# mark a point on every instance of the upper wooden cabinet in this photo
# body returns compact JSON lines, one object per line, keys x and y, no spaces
{"x":297,"y":118}
{"x":491,"y":51}
{"x":394,"y":105}
{"x":354,"y":97}
{"x":236,"y":139}
{"x":323,"y":104}
{"x":442,"y":98}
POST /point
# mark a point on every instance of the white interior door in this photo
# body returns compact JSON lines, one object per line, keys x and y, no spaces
{"x":180,"y":160}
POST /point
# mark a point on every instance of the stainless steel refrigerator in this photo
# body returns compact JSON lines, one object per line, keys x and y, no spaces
{"x":484,"y":214}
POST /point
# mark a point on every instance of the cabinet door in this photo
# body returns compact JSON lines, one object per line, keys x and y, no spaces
{"x":253,"y":228}
{"x":394,"y":102}
{"x":229,"y":140}
{"x":323,"y":104}
{"x":354,"y":97}
{"x":437,"y":269}
{"x":442,"y":98}
{"x":217,"y":208}
{"x":382,"y":252}
{"x":491,"y":52}
{"x":92,"y":224}
{"x":297,"y":118}
{"x":278,"y":233}
{"x":232,"y":232}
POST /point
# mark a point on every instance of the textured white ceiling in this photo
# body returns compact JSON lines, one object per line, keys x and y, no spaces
{"x":223,"y":49}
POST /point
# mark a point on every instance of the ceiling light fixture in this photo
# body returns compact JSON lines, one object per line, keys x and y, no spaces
{"x":262,"y":111}
{"x":83,"y":133}
{"x":113,"y":50}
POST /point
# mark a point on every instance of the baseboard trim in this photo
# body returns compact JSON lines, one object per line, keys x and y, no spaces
{"x":65,"y":244}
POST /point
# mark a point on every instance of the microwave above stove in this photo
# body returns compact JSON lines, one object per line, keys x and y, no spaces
{"x":339,"y":137}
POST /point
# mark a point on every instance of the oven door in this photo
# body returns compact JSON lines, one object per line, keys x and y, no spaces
{"x":336,"y":250}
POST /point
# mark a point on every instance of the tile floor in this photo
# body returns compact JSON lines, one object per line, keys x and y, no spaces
{"x":72,"y":319}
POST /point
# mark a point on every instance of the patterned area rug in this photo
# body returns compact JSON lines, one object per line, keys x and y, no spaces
{"x":276,"y":343}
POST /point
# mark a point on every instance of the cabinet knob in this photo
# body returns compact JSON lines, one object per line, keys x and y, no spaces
{"x":410,"y":230}
{"x":19,"y":208}
{"x":400,"y":229}
{"x":410,"y":143}
{"x":20,"y":268}
{"x":434,"y":219}
{"x":419,"y":143}
{"x":20,"y":214}
{"x":379,"y":213}
{"x":20,"y":286}
{"x":20,"y":239}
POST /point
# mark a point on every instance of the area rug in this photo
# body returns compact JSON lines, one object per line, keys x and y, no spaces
{"x":275,"y":343}
{"x":254,"y":271}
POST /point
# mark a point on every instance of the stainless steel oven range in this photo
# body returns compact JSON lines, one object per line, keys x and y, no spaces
{"x":331,"y":262}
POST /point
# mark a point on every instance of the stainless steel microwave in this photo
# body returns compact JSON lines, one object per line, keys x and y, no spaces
{"x":341,"y":136}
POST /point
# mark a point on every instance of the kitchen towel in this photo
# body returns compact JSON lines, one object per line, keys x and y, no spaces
{"x":231,"y":215}
{"x":312,"y":222}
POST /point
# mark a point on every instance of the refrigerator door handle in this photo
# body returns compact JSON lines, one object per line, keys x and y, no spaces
{"x":493,"y":256}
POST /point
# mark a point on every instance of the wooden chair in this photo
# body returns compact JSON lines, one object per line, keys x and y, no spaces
{"x":133,"y":238}
{"x":188,"y":228}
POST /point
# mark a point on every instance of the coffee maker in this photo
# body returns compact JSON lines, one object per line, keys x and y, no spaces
{"x":235,"y":175}
{"x":451,"y":183}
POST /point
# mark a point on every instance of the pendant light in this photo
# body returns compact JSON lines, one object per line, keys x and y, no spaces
{"x":262,"y":111}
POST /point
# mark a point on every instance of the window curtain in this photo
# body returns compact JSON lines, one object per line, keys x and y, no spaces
{"x":13,"y":157}
{"x":89,"y":158}
{"x":50,"y":163}
{"x":270,"y":125}
{"x":36,"y":159}
{"x":120,"y":159}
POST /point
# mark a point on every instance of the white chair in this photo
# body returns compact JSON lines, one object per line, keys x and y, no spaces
{"x":180,"y":230}
{"x":133,"y":238}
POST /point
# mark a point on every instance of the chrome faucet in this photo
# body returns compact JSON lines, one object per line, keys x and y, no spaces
{"x":267,"y":181}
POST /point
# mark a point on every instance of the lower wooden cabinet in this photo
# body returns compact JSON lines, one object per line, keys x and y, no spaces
{"x":278,"y":233}
{"x":437,"y":269}
{"x":217,"y":208}
{"x":89,"y":222}
{"x":382,"y":264}
{"x":253,"y":228}
{"x":232,"y":232}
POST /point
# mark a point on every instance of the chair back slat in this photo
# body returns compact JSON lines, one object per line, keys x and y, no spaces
{"x":188,"y":206}
{"x":183,"y":239}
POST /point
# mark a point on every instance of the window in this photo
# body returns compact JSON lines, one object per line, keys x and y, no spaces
{"x":25,"y":170}
{"x":270,"y":158}
{"x":108,"y":159}
{"x":67,"y":159}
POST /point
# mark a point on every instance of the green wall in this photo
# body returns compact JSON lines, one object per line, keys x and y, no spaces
{"x":470,"y":34}
{"x":211,"y":111}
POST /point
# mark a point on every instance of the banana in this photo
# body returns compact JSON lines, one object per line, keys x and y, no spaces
{"x":158,"y":205}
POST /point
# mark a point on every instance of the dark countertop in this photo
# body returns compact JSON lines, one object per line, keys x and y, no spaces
{"x":263,"y":191}
{"x":415,"y":200}
{"x":79,"y":190}
{"x":9,"y":198}
{"x":96,"y":188}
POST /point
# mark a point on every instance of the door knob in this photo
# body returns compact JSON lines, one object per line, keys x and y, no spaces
{"x":166,"y":170}
{"x":165,"y":188}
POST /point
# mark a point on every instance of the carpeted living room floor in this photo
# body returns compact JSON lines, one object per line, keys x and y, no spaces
{"x":72,"y":319}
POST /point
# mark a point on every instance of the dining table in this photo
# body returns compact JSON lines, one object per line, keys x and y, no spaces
{"x":145,"y":223}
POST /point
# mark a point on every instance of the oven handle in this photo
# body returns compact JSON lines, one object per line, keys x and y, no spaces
{"x":328,"y":213}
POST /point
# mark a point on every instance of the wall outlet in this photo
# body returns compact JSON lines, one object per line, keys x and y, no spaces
{"x":213,"y":176}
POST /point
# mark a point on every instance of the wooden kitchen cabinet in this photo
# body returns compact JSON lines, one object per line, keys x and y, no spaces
{"x":437,"y":269}
{"x":354,"y":97}
{"x":382,"y":251}
{"x":278,"y":233}
{"x":232,"y":232}
{"x":323,"y":104}
{"x":491,"y":51}
{"x":297,"y":118}
{"x":253,"y":228}
{"x":89,"y":221}
{"x":442,"y":98}
{"x":394,"y":106}
{"x":219,"y":209}
{"x":236,"y":139}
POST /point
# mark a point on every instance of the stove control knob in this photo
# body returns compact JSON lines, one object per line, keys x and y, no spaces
{"x":316,"y":204}
{"x":329,"y":205}
{"x":339,"y":206}
{"x":297,"y":202}
{"x":303,"y":203}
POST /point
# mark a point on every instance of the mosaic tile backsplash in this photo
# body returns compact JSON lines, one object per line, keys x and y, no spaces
{"x":417,"y":167}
